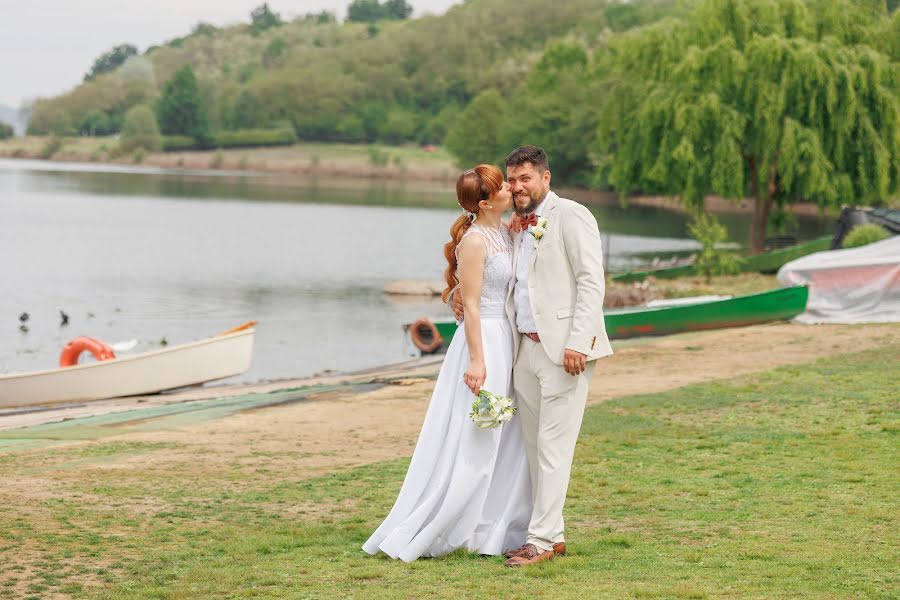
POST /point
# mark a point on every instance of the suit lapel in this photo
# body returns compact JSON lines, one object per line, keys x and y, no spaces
{"x":546,"y":213}
{"x":517,"y":243}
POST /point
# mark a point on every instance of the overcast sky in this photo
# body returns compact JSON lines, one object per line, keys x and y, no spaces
{"x":47,"y":46}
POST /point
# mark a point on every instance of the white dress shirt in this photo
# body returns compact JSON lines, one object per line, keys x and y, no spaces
{"x":524,"y":316}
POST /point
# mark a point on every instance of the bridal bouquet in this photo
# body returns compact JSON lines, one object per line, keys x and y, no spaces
{"x":489,"y":411}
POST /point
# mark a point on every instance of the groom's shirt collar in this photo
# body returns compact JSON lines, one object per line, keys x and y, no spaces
{"x":539,"y":209}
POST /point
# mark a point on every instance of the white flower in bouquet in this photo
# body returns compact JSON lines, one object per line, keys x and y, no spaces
{"x":490,"y":411}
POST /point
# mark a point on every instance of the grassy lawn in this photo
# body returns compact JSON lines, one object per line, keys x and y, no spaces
{"x":778,"y":485}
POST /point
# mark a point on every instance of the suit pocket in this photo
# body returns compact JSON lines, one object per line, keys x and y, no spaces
{"x":565,"y":313}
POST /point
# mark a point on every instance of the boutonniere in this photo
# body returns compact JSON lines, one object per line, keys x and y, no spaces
{"x":540,"y":229}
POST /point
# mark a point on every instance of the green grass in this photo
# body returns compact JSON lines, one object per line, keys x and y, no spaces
{"x":777,"y":485}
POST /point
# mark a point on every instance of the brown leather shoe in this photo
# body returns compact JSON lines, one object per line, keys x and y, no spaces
{"x":559,"y":549}
{"x":530,"y":555}
{"x":515,"y":552}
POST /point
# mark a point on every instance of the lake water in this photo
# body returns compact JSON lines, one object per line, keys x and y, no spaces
{"x":148,"y":254}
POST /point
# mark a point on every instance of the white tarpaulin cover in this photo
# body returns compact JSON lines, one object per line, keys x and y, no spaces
{"x":859,"y":285}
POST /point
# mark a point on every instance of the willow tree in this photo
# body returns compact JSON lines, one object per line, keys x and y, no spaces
{"x":781,"y":100}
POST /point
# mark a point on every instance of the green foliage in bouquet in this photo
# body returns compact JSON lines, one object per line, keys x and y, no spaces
{"x":490,"y":411}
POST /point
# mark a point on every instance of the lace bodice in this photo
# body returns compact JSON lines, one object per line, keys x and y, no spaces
{"x":497,"y":267}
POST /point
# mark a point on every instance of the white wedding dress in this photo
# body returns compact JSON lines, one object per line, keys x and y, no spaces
{"x":466,"y":488}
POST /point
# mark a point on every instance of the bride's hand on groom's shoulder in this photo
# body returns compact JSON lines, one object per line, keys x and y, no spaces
{"x":515,"y":223}
{"x":474,"y":377}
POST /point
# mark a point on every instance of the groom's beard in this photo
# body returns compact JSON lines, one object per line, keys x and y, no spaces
{"x":532,"y":203}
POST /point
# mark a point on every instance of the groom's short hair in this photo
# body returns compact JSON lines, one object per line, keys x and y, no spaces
{"x":528,"y":154}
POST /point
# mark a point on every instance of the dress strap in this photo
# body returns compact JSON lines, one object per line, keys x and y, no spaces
{"x":496,"y":240}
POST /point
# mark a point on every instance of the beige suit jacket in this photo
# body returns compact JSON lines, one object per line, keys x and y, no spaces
{"x":565,"y":282}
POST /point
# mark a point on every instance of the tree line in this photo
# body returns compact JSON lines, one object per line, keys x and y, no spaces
{"x":406,"y":81}
{"x":779,"y":101}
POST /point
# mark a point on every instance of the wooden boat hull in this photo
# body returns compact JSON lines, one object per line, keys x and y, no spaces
{"x":774,"y":305}
{"x":186,"y":364}
{"x":768,"y":262}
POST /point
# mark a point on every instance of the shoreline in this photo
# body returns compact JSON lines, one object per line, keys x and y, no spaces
{"x":713,"y":204}
{"x":676,"y":361}
{"x":305,"y":158}
{"x":31,"y":416}
{"x":402,"y":164}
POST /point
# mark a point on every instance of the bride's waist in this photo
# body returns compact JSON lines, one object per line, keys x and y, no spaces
{"x":492,"y":311}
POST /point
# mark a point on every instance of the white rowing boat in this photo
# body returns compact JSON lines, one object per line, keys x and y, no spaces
{"x":193,"y":363}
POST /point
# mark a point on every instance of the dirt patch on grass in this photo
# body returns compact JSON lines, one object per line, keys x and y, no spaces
{"x":306,"y":438}
{"x":341,"y":429}
{"x":38,"y":573}
{"x":307,"y":510}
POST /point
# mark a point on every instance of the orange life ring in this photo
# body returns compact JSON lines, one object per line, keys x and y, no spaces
{"x":425,"y":336}
{"x":72,"y":350}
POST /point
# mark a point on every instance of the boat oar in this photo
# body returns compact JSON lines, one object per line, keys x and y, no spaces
{"x":246,"y":325}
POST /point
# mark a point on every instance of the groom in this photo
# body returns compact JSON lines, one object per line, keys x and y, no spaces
{"x":555,"y":303}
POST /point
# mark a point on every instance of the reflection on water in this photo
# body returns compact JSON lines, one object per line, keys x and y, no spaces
{"x":148,"y":254}
{"x":151,"y":182}
{"x":647,"y":221}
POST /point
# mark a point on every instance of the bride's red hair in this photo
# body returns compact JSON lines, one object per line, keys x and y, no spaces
{"x":473,"y":186}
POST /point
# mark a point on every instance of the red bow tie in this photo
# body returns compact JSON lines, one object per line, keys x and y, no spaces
{"x":531,"y":219}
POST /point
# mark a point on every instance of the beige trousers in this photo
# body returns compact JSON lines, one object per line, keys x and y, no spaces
{"x":551,"y":406}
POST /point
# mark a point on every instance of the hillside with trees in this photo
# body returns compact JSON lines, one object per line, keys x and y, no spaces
{"x":777,"y":100}
{"x":376,"y":77}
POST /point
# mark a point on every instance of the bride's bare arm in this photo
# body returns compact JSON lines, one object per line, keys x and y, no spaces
{"x":472,"y":255}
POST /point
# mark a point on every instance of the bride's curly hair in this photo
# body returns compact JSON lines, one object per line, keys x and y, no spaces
{"x":473,"y":186}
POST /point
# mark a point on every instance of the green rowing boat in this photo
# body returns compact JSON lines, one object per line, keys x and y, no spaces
{"x":767,"y":262}
{"x":774,"y":305}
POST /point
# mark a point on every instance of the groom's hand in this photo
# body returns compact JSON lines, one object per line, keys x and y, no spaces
{"x":574,"y":362}
{"x":456,"y":304}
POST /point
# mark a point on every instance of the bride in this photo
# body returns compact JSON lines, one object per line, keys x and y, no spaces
{"x":467,"y":487}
